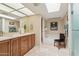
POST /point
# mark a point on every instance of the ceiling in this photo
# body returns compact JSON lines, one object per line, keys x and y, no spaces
{"x":36,"y":8}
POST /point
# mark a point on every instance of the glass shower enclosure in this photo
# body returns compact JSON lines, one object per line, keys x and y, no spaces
{"x":75,"y":28}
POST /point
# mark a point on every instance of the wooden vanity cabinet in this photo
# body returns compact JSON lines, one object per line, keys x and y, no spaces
{"x":5,"y":48}
{"x":15,"y":46}
{"x":18,"y":46}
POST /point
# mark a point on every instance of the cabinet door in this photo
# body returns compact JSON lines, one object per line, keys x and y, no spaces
{"x":33,"y":40}
{"x":5,"y":48}
{"x":30,"y":44}
{"x":24,"y":45}
{"x":15,"y":46}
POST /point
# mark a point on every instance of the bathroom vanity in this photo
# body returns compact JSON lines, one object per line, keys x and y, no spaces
{"x":17,"y":45}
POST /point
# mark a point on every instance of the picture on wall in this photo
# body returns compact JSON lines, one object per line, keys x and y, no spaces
{"x":54,"y":26}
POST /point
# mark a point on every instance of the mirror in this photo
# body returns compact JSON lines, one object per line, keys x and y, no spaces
{"x":8,"y":26}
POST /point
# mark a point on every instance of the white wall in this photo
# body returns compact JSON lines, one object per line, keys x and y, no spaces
{"x":36,"y":22}
{"x":33,"y":24}
{"x":60,"y":25}
{"x":24,"y":21}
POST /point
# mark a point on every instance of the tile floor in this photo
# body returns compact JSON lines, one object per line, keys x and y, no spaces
{"x":47,"y":50}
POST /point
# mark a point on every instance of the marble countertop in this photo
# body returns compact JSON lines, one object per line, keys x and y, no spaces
{"x":8,"y":36}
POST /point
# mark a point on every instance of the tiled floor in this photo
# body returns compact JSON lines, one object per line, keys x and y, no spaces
{"x":47,"y":50}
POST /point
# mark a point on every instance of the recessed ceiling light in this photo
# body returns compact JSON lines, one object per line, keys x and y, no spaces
{"x":5,"y":8}
{"x":26,"y":11}
{"x":15,"y":5}
{"x":5,"y":16}
{"x":18,"y":13}
{"x":52,"y":7}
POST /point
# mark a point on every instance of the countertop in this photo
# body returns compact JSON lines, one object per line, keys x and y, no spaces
{"x":13,"y":36}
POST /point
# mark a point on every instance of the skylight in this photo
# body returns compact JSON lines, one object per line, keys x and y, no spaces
{"x":26,"y":11}
{"x":15,"y":5}
{"x":5,"y":16}
{"x":52,"y":7}
{"x":18,"y":14}
{"x":5,"y":8}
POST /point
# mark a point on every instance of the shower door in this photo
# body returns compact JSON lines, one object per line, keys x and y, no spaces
{"x":75,"y":29}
